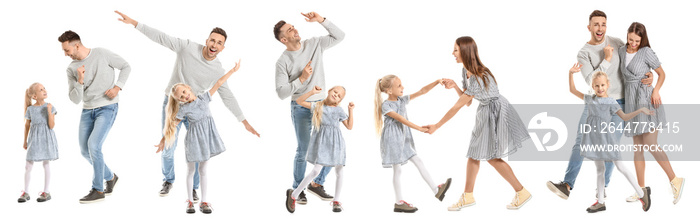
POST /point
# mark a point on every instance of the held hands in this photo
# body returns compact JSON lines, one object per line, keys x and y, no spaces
{"x":430,"y":129}
{"x":608,"y":52}
{"x":448,"y":83}
{"x":313,"y":16}
{"x":655,"y":99}
{"x":576,"y":68}
{"x":647,"y":111}
{"x":112,"y":93}
{"x":648,"y":79}
{"x":81,"y":74}
{"x":126,"y":19}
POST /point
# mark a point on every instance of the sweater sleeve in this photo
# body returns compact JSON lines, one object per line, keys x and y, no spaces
{"x":335,"y":35}
{"x":587,"y":68}
{"x":230,"y":102}
{"x":173,"y":43}
{"x":116,"y":61}
{"x":75,"y":89}
{"x":283,"y":87}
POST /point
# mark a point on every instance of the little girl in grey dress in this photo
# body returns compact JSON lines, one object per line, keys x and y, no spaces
{"x":326,"y":146}
{"x":202,"y":141}
{"x":396,"y":144}
{"x":39,"y":138}
{"x":599,"y":142}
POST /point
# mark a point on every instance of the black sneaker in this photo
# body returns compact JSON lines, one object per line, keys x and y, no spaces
{"x":109,"y":185}
{"x":320,"y":192}
{"x":559,"y":189}
{"x":166,"y":189}
{"x":205,"y":207}
{"x":190,"y":207}
{"x":44,"y":197}
{"x":23,"y":198}
{"x":302,"y":198}
{"x":289,"y":203}
{"x":195,"y":198}
{"x":93,"y":196}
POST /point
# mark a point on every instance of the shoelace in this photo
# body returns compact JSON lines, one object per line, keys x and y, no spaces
{"x":189,"y":204}
{"x":596,"y":202}
{"x":517,"y":199}
{"x":462,"y":201}
{"x":405,"y":203}
{"x":675,"y":190}
{"x":205,"y":204}
{"x":334,"y":203}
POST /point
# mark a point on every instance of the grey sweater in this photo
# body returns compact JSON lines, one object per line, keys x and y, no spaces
{"x":192,"y":69}
{"x":291,"y":63}
{"x":99,"y":77}
{"x":592,"y":59}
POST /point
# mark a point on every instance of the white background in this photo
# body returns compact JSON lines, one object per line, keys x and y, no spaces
{"x":529,"y":46}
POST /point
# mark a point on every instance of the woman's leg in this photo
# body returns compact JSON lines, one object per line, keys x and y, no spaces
{"x":307,"y":179}
{"x":47,"y":176}
{"x":27,"y":175}
{"x":506,"y":172}
{"x":639,"y":164}
{"x":472,"y":171}
{"x":203,"y":180}
{"x":659,"y":155}
{"x":424,"y":173}
{"x":338,"y":182}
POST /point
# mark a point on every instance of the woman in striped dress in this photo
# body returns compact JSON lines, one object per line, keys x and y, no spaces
{"x":498,"y":131}
{"x":636,"y":59}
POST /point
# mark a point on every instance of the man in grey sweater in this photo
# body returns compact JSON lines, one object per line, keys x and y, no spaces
{"x":298,"y":70}
{"x":197,"y":66}
{"x":598,"y":54}
{"x":91,"y":80}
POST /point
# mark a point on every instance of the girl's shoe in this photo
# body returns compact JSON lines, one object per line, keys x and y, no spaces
{"x":337,"y":206}
{"x":521,"y":197}
{"x":442,"y":189}
{"x":190,"y":207}
{"x":466,"y":200}
{"x":290,"y":202}
{"x":404,"y":206}
{"x":677,"y":188}
{"x":205,"y":207}
{"x":596,"y":207}
{"x":23,"y":198}
{"x":43,"y":197}
{"x":646,"y":199}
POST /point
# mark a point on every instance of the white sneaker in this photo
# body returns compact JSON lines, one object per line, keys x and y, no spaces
{"x":466,"y":200}
{"x":677,"y":188}
{"x":632,"y":198}
{"x":521,"y":197}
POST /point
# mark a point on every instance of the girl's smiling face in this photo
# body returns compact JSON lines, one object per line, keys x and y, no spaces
{"x":600,"y":86}
{"x":396,"y":88}
{"x":183,"y":94}
{"x":335,"y":95}
{"x":40,"y":92}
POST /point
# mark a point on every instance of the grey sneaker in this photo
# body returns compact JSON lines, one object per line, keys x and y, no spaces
{"x":44,"y":197}
{"x":559,"y":189}
{"x":166,"y":189}
{"x":646,"y":199}
{"x":205,"y":207}
{"x":195,"y":197}
{"x":336,"y":206}
{"x":302,"y":198}
{"x":596,"y":208}
{"x":289,"y":203}
{"x":404,"y":207}
{"x":23,"y":198}
{"x":320,"y":192}
{"x":442,"y":188}
{"x":190,"y":207}
{"x":109,"y":185}
{"x":93,"y":196}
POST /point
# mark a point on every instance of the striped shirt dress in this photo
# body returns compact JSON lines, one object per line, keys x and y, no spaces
{"x":638,"y":95}
{"x":41,"y":140}
{"x":498,"y":131}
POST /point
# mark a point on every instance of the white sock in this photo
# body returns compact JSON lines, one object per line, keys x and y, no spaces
{"x":424,"y":173}
{"x":338,"y":182}
{"x":600,"y":171}
{"x":203,"y":181}
{"x":190,"y":179}
{"x":631,"y":178}
{"x":27,"y":175}
{"x":307,"y":179}
{"x":47,"y":176}
{"x":397,"y":182}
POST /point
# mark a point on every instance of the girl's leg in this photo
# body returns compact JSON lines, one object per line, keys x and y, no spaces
{"x":506,"y":172}
{"x":338,"y":182}
{"x":424,"y":173}
{"x":472,"y":171}
{"x":628,"y":175}
{"x":47,"y":176}
{"x":190,"y":179}
{"x":600,"y":180}
{"x":639,"y":164}
{"x":27,"y":175}
{"x":659,"y":155}
{"x":202,"y":180}
{"x":397,"y":182}
{"x":307,"y":179}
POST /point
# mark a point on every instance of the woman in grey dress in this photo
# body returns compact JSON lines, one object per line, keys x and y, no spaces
{"x":202,"y":141}
{"x":39,"y":138}
{"x":600,"y":110}
{"x":498,"y":131}
{"x":396,"y":143}
{"x":636,"y":58}
{"x":326,"y":146}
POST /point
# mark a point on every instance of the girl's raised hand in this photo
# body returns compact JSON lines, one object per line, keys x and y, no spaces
{"x":235,"y":68}
{"x":575,"y":68}
{"x":351,"y":106}
{"x":316,"y":90}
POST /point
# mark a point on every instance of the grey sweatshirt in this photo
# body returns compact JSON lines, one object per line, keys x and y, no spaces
{"x":292,"y":63}
{"x":192,"y":69}
{"x":99,"y":77}
{"x":592,"y":59}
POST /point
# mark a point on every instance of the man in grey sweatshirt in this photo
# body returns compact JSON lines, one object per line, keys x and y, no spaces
{"x":197,"y":66}
{"x":91,"y":80}
{"x":298,"y":70}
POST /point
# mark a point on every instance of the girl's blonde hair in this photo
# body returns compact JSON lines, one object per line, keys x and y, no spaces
{"x":383,"y":84}
{"x":318,"y":111}
{"x":28,"y":96}
{"x":170,"y":127}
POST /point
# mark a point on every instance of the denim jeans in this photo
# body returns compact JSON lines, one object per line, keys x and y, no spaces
{"x":301,"y":117}
{"x":168,"y":154}
{"x":576,"y":159}
{"x":94,"y":127}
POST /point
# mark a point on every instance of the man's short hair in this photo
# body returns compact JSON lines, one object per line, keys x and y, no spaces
{"x":219,"y":31}
{"x":277,"y":30}
{"x":597,"y":13}
{"x":68,"y":36}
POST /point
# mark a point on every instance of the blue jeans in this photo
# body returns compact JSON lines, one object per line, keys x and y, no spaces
{"x":168,"y":154}
{"x":576,"y":159}
{"x":301,"y":117}
{"x":94,"y":126}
